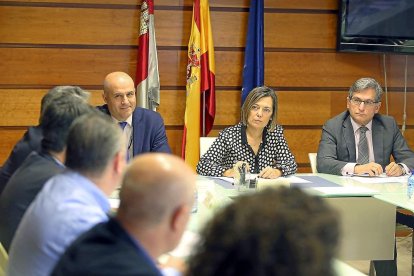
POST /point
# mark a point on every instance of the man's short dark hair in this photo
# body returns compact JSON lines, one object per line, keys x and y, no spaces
{"x":273,"y":232}
{"x":57,"y":118}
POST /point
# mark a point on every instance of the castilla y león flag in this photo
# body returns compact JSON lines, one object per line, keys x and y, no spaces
{"x":147,"y":78}
{"x":200,"y":104}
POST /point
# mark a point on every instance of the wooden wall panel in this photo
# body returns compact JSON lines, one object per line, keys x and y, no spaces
{"x":300,"y":30}
{"x":97,"y":2}
{"x":37,"y":66}
{"x":49,"y":26}
{"x":282,"y":4}
{"x":8,"y":138}
{"x":297,"y":109}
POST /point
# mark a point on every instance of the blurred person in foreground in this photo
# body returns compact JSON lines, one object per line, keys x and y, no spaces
{"x":39,"y":167}
{"x":73,"y":202}
{"x":31,"y":140}
{"x":156,"y":197}
{"x":257,"y":140}
{"x":281,"y":231}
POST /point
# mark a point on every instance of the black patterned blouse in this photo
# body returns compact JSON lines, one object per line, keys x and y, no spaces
{"x":231,"y":146}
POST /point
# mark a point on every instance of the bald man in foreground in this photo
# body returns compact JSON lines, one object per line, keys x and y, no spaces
{"x":156,"y":199}
{"x":143,"y":129}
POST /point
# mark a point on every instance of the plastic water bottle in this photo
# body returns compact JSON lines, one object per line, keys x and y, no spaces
{"x":410,"y":186}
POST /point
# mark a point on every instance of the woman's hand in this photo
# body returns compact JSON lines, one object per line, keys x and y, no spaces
{"x":235,"y":170}
{"x":270,"y":172}
{"x":229,"y":173}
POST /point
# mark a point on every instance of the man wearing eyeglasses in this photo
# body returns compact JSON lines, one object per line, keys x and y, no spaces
{"x":361,"y":141}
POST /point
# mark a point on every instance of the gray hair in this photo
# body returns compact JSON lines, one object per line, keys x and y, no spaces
{"x":366,"y":83}
{"x":93,"y":141}
{"x":62,"y":91}
{"x":254,"y":96}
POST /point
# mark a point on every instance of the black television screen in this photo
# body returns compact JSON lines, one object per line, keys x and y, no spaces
{"x":376,"y":26}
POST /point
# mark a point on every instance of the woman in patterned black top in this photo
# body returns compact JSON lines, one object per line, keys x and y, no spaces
{"x":257,"y":140}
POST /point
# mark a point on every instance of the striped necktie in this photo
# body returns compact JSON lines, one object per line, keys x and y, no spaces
{"x":363,"y":153}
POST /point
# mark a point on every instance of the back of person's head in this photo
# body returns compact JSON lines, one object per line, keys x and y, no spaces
{"x":93,"y":141}
{"x":366,"y":83}
{"x":57,"y":119}
{"x":254,"y":96}
{"x":59,"y":91}
{"x":156,"y":186}
{"x":273,"y":232}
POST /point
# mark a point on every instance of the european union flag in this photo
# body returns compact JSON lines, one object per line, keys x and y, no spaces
{"x":253,"y":70}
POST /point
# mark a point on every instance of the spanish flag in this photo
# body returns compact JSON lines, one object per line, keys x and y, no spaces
{"x":200,"y":104}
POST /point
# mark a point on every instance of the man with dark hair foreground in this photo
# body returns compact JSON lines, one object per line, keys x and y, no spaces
{"x":73,"y":202}
{"x":157,"y":195}
{"x":31,"y":140}
{"x":273,"y":232}
{"x":40,"y":166}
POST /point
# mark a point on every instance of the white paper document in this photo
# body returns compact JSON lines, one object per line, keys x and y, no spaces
{"x":295,"y":179}
{"x":345,"y":191}
{"x":380,"y":179}
{"x":291,"y":179}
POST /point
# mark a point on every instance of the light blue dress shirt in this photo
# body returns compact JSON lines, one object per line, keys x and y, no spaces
{"x":68,"y":205}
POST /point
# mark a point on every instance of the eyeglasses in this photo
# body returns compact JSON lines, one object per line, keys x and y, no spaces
{"x":358,"y":101}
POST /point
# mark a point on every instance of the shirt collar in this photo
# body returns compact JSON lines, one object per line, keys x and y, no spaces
{"x":92,"y":188}
{"x":128,"y":120}
{"x":356,"y":126}
{"x":138,"y":247}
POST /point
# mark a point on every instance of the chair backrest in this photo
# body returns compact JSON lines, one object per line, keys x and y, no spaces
{"x":4,"y":260}
{"x":205,"y":143}
{"x":312,"y":160}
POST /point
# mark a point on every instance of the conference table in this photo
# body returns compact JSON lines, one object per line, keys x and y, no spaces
{"x":367,"y":208}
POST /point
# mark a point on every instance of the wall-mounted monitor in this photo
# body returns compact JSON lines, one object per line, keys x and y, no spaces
{"x":376,"y":26}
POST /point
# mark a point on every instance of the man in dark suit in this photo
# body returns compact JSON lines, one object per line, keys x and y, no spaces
{"x":157,"y":195}
{"x":338,"y":149}
{"x":143,"y":129}
{"x":361,"y":141}
{"x":38,"y":167}
{"x":33,"y":136}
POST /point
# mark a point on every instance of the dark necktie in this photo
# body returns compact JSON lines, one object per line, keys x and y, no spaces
{"x":363,"y":153}
{"x":122,"y":124}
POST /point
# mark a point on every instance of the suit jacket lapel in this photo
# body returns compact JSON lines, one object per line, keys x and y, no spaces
{"x":377,"y":142}
{"x":349,"y":138}
{"x":137,"y":131}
